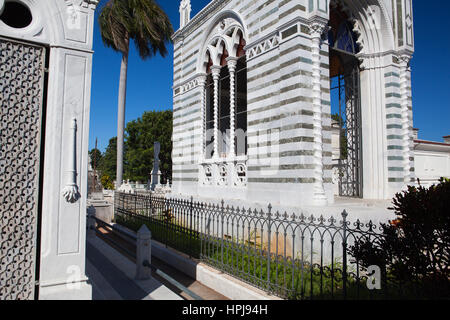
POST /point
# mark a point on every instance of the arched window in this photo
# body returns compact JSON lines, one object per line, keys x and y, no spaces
{"x":241,"y":106}
{"x":346,"y":102}
{"x":231,"y":107}
{"x":343,"y":39}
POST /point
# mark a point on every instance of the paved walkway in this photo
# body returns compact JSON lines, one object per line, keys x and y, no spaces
{"x":112,"y":271}
{"x":112,"y":276}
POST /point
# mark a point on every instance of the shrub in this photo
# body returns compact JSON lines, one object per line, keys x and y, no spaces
{"x":107,"y":182}
{"x":415,"y":247}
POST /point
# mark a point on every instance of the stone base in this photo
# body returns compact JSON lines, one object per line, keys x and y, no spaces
{"x":362,"y":209}
{"x":73,"y":291}
{"x":103,"y":210}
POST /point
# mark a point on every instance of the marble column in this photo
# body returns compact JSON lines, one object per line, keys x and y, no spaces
{"x":232,"y":63}
{"x":202,"y":85}
{"x":406,"y":123}
{"x":317,"y":29}
{"x":216,"y":75}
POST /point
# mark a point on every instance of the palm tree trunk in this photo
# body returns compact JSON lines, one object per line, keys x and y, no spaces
{"x":121,"y":118}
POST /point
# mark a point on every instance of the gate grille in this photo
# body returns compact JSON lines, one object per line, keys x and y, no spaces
{"x":350,"y":178}
{"x":22,"y":74}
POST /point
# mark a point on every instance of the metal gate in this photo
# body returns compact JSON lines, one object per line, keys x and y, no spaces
{"x":349,"y":121}
{"x":22,"y":86}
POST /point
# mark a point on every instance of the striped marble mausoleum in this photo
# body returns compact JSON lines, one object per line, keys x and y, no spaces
{"x":261,"y":85}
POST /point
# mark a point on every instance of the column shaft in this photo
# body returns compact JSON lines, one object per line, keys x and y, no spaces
{"x":319,"y":191}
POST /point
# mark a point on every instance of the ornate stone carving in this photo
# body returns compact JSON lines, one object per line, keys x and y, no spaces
{"x":317,"y":28}
{"x":208,"y":179}
{"x":216,"y":75}
{"x":232,"y":63}
{"x":406,"y":121}
{"x":223,"y":175}
{"x":70,"y":191}
{"x":198,"y":20}
{"x":264,"y":46}
{"x":240,"y":178}
{"x":185,"y":13}
{"x":92,"y":4}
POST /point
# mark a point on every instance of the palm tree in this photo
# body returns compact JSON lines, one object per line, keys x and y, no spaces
{"x":148,"y":25}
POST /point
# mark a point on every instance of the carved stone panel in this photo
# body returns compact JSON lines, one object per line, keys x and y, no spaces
{"x":21,"y":96}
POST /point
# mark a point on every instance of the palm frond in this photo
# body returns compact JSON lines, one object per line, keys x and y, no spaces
{"x":141,"y":20}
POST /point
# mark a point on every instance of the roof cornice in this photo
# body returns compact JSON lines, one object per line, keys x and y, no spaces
{"x":212,"y":7}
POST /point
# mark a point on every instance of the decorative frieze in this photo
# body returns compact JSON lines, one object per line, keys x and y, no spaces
{"x":231,"y":172}
{"x":262,"y":47}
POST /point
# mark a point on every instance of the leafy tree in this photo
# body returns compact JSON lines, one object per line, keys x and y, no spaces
{"x":153,"y":126}
{"x":148,"y":25}
{"x":415,"y":248}
{"x":107,"y":182}
{"x":109,"y":161}
{"x":96,"y":158}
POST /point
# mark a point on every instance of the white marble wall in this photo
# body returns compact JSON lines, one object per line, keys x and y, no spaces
{"x":289,"y":148}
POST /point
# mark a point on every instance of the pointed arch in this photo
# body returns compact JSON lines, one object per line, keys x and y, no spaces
{"x":227,"y":29}
{"x":371,"y":23}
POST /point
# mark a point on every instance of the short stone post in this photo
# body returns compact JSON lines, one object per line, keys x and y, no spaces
{"x":91,"y":223}
{"x":143,"y":254}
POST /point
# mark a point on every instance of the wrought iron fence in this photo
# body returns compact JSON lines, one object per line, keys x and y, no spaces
{"x":291,"y":256}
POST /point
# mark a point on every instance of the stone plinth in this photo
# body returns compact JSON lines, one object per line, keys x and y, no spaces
{"x":103,"y":210}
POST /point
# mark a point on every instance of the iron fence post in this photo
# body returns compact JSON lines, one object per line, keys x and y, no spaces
{"x":191,"y":232}
{"x":166,"y":221}
{"x":344,"y":253}
{"x":268,"y":246}
{"x":221,"y":240}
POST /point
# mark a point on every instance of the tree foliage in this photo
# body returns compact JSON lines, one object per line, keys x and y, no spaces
{"x":141,"y":20}
{"x":109,"y":161}
{"x":141,"y":134}
{"x":96,"y":158}
{"x":107,"y":182}
{"x":415,"y":248}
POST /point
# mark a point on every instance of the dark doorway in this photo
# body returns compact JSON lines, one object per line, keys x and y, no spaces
{"x":346,"y":103}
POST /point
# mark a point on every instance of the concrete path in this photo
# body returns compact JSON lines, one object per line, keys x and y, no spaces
{"x":112,"y":276}
{"x":195,"y":286}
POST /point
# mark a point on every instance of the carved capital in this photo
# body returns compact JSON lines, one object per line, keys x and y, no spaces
{"x":317,"y":26}
{"x":215,"y":70}
{"x":201,"y":79}
{"x":404,"y":60}
{"x":232,"y":63}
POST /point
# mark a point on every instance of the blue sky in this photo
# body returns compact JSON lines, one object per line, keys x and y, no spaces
{"x":150,"y":81}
